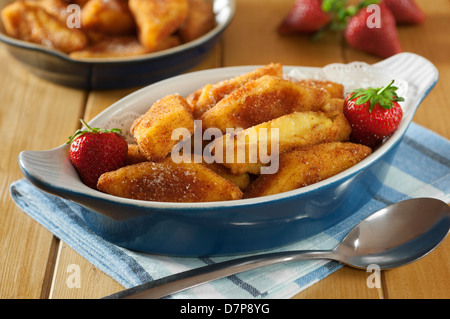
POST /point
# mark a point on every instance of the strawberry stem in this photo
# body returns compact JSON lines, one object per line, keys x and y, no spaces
{"x":86,"y":125}
{"x":80,"y":132}
{"x":384,"y":88}
{"x":341,"y":12}
{"x":377,"y":96}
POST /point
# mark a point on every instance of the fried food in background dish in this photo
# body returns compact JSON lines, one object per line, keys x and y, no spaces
{"x":122,"y":46}
{"x":81,"y":3}
{"x":57,"y":8}
{"x":153,"y":130}
{"x":308,"y":165}
{"x":157,"y":19}
{"x":200,"y":20}
{"x":295,"y":130}
{"x":157,"y":24}
{"x":262,"y":100}
{"x":25,"y":20}
{"x":167,"y":181}
{"x":111,"y":17}
{"x":208,"y":96}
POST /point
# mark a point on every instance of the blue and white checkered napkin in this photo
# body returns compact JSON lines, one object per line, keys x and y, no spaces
{"x":421,"y":168}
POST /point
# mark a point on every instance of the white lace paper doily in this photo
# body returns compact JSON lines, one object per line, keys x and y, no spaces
{"x":123,"y":122}
{"x":352,"y":76}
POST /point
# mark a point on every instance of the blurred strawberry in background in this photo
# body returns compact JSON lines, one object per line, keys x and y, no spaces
{"x":381,"y":40}
{"x":370,"y":25}
{"x":305,"y":16}
{"x":405,"y":11}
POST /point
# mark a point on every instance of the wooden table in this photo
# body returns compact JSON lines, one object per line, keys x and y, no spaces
{"x":38,"y":115}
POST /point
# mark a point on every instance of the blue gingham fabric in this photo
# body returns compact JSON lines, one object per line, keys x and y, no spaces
{"x":421,"y":168}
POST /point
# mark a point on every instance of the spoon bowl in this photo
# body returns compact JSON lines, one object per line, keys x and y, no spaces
{"x":396,"y":235}
{"x":391,"y":237}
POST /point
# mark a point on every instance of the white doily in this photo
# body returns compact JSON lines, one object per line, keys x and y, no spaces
{"x":352,"y":76}
{"x":124,"y":122}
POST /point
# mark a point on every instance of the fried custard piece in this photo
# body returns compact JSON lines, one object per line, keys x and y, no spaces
{"x":111,"y":17}
{"x":308,"y":165}
{"x":153,"y":130}
{"x":107,"y":47}
{"x":167,"y":181}
{"x":157,"y":19}
{"x":199,"y":21}
{"x":294,"y":130}
{"x":334,"y":105}
{"x":134,"y":155}
{"x":208,"y":96}
{"x":57,"y":8}
{"x":262,"y":100}
{"x":81,"y":3}
{"x":336,"y":90}
{"x":28,"y":21}
{"x":241,"y":180}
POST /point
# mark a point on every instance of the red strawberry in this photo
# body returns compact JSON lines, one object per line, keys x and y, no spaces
{"x":373,"y":114}
{"x":405,"y":11}
{"x":381,"y":41}
{"x":96,"y":151}
{"x":306,"y":16}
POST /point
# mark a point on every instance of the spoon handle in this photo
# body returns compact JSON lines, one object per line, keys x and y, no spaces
{"x":188,"y":279}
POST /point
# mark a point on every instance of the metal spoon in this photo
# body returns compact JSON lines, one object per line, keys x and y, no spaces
{"x":392,"y":237}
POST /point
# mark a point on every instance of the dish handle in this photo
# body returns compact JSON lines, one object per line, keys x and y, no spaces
{"x":420,"y":73}
{"x":51,"y":171}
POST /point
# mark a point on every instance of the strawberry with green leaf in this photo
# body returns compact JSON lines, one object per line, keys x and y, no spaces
{"x":373,"y":113}
{"x":94,"y":151}
{"x":379,"y":38}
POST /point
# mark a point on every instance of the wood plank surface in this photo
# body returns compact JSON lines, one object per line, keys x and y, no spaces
{"x":29,"y":120}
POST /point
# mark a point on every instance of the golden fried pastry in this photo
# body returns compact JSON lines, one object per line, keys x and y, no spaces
{"x":153,"y":130}
{"x":134,"y":155}
{"x":81,"y":3}
{"x":157,"y":19}
{"x":336,"y":90}
{"x":167,"y":181}
{"x":204,"y":99}
{"x":57,"y":8}
{"x":240,"y":180}
{"x":107,"y":47}
{"x":28,"y":21}
{"x":294,"y":130}
{"x":200,"y":20}
{"x":308,"y":165}
{"x":334,"y":105}
{"x":111,"y":17}
{"x":262,"y":100}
